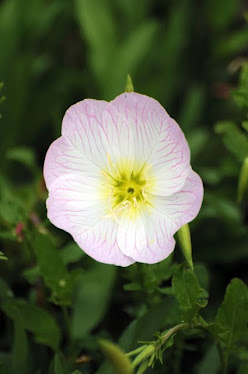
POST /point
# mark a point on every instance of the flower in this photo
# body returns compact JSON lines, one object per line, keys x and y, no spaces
{"x":120,"y":180}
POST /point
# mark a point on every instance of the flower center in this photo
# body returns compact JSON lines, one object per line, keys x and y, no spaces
{"x":126,"y":188}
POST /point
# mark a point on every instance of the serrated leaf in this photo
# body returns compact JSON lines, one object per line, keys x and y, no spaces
{"x":35,"y":320}
{"x":185,"y":287}
{"x":232,"y":317}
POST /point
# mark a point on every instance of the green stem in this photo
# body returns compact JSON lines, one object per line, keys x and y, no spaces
{"x":172,"y":331}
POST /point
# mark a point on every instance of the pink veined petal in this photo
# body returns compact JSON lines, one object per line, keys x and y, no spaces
{"x":99,"y":133}
{"x":74,"y":205}
{"x":183,"y":206}
{"x":64,"y":158}
{"x":149,"y":238}
{"x":158,"y":141}
{"x":100,"y":242}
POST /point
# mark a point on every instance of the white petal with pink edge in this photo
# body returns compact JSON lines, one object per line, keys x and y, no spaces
{"x":158,"y":141}
{"x":76,"y":206}
{"x":183,"y":206}
{"x":148,"y":238}
{"x":99,"y":133}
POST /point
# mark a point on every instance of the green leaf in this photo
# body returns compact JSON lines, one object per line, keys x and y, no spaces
{"x":185,"y":287}
{"x":59,"y":364}
{"x":72,"y":253}
{"x":190,"y":295}
{"x":117,"y":358}
{"x":92,"y":295}
{"x":2,"y":257}
{"x":240,"y":95}
{"x":24,"y":155}
{"x":53,"y":270}
{"x":3,"y":368}
{"x":232,"y":43}
{"x":20,"y":348}
{"x":232,"y":317}
{"x":35,"y":320}
{"x":221,"y":13}
{"x":235,"y":140}
{"x":210,"y":363}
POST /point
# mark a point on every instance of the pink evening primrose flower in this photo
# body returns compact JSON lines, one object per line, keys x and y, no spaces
{"x":120,"y":181}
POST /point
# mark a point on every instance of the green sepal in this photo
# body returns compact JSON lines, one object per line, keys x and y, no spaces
{"x":129,"y":84}
{"x":185,"y":243}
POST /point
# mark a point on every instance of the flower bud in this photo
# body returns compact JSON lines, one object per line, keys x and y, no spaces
{"x":116,"y":357}
{"x":185,"y":243}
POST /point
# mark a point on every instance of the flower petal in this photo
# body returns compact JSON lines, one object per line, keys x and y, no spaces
{"x":148,"y":238}
{"x":183,"y":206}
{"x":64,"y":158}
{"x":158,"y":141}
{"x":99,"y":133}
{"x":75,"y":205}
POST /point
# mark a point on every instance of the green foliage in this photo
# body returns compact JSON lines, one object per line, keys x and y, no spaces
{"x":53,"y":270}
{"x":34,"y":319}
{"x":92,"y":295}
{"x":240,"y":95}
{"x":56,"y":302}
{"x":234,"y":139}
{"x":190,"y":295}
{"x":232,"y":316}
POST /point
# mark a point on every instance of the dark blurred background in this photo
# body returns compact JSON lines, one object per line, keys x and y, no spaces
{"x":186,"y":54}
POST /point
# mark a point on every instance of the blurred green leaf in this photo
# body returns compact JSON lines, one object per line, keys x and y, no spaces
{"x":36,"y":320}
{"x":53,"y":270}
{"x":240,"y":95}
{"x":232,"y":43}
{"x":4,"y":368}
{"x":71,"y":253}
{"x":235,"y":140}
{"x":222,"y":12}
{"x":20,"y":348}
{"x":59,"y":365}
{"x":210,"y":363}
{"x":24,"y":155}
{"x":232,"y":317}
{"x":2,"y":257}
{"x":91,"y":298}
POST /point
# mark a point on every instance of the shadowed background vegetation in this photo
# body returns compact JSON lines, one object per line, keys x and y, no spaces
{"x":55,"y":302}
